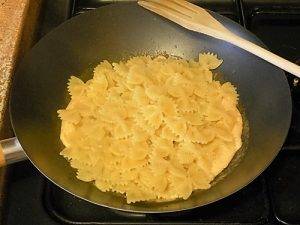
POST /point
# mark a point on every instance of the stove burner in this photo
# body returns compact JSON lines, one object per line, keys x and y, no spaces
{"x":284,"y":182}
{"x":273,"y":198}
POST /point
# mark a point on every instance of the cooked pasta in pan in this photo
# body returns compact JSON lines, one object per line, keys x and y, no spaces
{"x":152,"y":128}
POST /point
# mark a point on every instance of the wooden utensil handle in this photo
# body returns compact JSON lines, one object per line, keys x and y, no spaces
{"x":11,"y":151}
{"x":263,"y":53}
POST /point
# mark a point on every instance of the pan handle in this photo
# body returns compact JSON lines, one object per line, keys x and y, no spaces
{"x":11,"y":151}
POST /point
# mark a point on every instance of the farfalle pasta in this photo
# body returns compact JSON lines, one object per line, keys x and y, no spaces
{"x":151,"y":128}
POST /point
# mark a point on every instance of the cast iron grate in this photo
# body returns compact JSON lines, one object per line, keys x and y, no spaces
{"x":248,"y":206}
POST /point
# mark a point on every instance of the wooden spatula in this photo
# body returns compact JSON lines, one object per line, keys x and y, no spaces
{"x":198,"y":19}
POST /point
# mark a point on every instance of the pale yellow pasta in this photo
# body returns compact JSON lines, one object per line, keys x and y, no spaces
{"x":209,"y":60}
{"x":151,"y":128}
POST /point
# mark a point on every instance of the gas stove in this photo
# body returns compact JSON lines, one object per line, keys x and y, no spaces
{"x":273,"y":198}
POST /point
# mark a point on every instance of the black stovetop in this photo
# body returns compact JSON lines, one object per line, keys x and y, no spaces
{"x":273,"y":198}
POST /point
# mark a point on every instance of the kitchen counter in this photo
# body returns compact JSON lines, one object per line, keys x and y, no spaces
{"x":18,"y":19}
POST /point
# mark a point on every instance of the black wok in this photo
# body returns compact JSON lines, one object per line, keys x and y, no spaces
{"x":117,"y":32}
